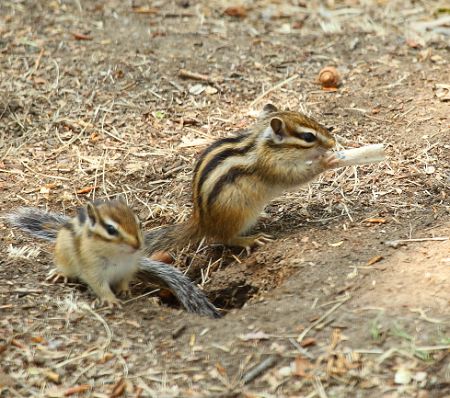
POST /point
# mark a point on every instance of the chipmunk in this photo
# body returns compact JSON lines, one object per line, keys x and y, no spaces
{"x":102,"y":246}
{"x":236,"y":177}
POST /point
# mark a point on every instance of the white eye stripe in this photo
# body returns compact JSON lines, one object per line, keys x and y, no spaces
{"x":108,"y":221}
{"x":306,"y":130}
{"x":299,"y":141}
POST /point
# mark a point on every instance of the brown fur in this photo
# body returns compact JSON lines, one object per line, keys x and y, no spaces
{"x":86,"y":251}
{"x":236,"y":177}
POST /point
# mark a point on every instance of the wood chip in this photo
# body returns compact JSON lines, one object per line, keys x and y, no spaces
{"x":375,"y":220}
{"x":77,"y":390}
{"x":236,"y":11}
{"x":85,"y":190}
{"x":80,"y":36}
{"x":145,"y":10}
{"x":374,"y":259}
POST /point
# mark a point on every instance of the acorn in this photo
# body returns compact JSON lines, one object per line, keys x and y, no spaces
{"x":329,"y":78}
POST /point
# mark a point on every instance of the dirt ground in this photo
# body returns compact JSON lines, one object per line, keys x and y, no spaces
{"x":351,"y":299}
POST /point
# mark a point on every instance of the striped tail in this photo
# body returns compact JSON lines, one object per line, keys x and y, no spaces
{"x":189,"y":295}
{"x":38,"y":223}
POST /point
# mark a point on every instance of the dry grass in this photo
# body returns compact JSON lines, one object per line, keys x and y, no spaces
{"x":99,"y":99}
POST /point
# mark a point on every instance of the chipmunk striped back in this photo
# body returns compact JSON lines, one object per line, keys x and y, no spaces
{"x":269,"y":152}
{"x":236,"y":177}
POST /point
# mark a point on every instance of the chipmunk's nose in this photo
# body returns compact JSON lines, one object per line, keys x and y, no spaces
{"x":328,"y":142}
{"x":136,"y":243}
{"x":331,"y":143}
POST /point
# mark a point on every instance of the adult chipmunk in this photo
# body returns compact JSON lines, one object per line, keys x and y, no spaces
{"x":236,"y":177}
{"x":103,"y":247}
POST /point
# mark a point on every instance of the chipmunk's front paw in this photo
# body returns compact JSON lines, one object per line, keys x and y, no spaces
{"x":55,"y":276}
{"x":111,"y":302}
{"x":330,"y":160}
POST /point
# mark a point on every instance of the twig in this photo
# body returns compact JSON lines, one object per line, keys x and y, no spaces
{"x":102,"y":348}
{"x":42,"y":174}
{"x":57,"y":76}
{"x":434,"y":348}
{"x":324,"y":316}
{"x":257,"y":370}
{"x":300,"y":349}
{"x":276,"y":87}
{"x":319,"y":387}
{"x":395,"y":243}
{"x":424,"y":316}
{"x":142,"y":295}
{"x":195,"y":76}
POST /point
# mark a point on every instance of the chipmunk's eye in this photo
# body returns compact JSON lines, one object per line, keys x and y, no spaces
{"x":307,"y":137}
{"x":111,"y":229}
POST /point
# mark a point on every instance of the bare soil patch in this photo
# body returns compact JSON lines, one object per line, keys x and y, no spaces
{"x":92,"y":105}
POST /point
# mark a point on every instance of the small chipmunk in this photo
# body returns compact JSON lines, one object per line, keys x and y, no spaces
{"x":236,"y":177}
{"x":102,"y":246}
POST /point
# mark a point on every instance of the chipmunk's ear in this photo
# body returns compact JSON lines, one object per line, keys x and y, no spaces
{"x":267,"y":110}
{"x":122,"y":198}
{"x":277,"y":129}
{"x":92,"y":213}
{"x":270,"y":108}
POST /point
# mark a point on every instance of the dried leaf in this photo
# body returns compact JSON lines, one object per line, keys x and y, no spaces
{"x":337,"y":244}
{"x":197,"y":89}
{"x":133,"y":323}
{"x":18,"y":344}
{"x":106,"y":357}
{"x":374,"y":259}
{"x":77,"y":389}
{"x":186,"y":142}
{"x":53,"y":376}
{"x":80,"y":36}
{"x":412,"y":43}
{"x":221,"y":369}
{"x":302,"y":367}
{"x":442,"y":91}
{"x":254,"y":336}
{"x":375,"y":220}
{"x":403,"y":376}
{"x":39,"y":80}
{"x":309,"y":341}
{"x":236,"y":11}
{"x":145,"y":10}
{"x":86,"y":190}
{"x":118,"y":389}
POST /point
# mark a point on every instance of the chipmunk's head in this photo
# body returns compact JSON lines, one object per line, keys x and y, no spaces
{"x":114,"y":222}
{"x":293,"y":130}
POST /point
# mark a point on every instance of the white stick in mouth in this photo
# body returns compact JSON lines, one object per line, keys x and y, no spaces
{"x":367,"y":154}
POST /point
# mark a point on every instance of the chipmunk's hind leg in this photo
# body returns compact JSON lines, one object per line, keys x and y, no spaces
{"x":123,"y":288}
{"x":248,"y":242}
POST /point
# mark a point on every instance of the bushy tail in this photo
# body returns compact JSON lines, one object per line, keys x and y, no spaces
{"x":37,"y":222}
{"x":171,"y":237}
{"x":190,"y":296}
